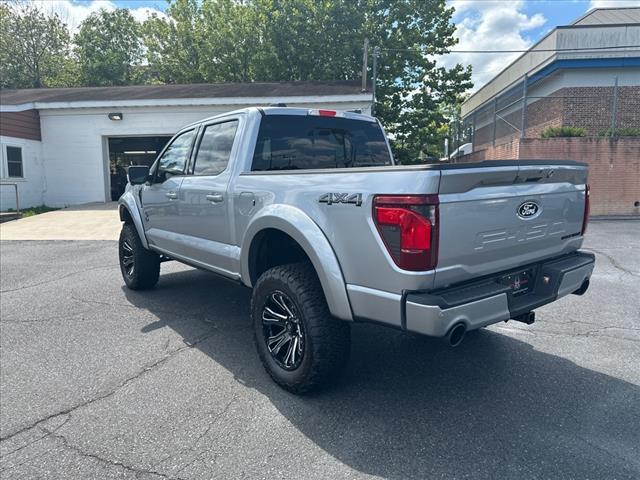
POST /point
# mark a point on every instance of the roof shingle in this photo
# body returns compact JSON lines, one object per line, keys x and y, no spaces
{"x":208,"y":90}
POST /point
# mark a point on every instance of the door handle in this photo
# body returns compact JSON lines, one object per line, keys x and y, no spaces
{"x":215,"y":197}
{"x":171,"y":195}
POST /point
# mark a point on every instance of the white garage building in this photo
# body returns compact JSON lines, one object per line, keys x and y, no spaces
{"x":67,"y":146}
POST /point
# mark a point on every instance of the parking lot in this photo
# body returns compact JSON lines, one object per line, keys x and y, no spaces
{"x":101,"y":382}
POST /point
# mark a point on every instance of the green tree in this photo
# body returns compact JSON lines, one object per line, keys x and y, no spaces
{"x":34,"y":47}
{"x":288,"y":40}
{"x":175,"y":46}
{"x":412,"y":89}
{"x":261,"y":40}
{"x":231,"y":46}
{"x":311,"y":40}
{"x":109,"y":48}
{"x":256,"y":40}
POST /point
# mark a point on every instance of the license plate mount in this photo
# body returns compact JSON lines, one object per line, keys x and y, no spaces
{"x":520,"y":282}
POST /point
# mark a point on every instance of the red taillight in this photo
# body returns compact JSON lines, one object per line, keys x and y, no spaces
{"x":325,"y":113}
{"x":408,"y":226}
{"x":587,"y":207}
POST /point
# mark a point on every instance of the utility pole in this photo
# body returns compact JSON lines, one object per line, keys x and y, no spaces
{"x":376,"y":54}
{"x":365,"y":61}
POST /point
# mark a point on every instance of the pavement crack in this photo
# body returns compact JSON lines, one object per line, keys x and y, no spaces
{"x":45,"y":432}
{"x":104,"y":395}
{"x":107,"y":461}
{"x":206,"y":431}
{"x":57,"y":279}
{"x":613,"y":262}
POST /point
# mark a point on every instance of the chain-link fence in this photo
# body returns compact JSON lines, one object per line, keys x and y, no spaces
{"x":598,"y":111}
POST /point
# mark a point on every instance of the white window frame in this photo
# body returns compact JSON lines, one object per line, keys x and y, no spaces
{"x":5,"y":162}
{"x":2,"y":161}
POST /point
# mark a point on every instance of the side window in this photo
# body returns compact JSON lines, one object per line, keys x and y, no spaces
{"x":174,"y":158}
{"x":14,"y":162}
{"x":215,"y":148}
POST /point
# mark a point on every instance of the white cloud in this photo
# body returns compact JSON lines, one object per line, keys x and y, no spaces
{"x":74,"y":13}
{"x":490,"y":25}
{"x":142,"y":13}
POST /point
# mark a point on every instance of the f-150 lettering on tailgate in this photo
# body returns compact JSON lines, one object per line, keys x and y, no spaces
{"x":500,"y":237}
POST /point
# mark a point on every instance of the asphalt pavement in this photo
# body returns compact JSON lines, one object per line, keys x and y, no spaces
{"x":100,"y":382}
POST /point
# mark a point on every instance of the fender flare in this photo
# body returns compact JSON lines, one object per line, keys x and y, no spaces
{"x":129,"y":204}
{"x":295,"y":223}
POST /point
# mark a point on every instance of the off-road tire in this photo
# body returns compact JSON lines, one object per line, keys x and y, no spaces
{"x":146,"y":264}
{"x":327,"y":340}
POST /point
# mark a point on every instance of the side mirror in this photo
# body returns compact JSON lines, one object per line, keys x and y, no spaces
{"x":138,"y":174}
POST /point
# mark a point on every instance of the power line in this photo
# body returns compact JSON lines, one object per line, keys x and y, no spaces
{"x":580,"y":49}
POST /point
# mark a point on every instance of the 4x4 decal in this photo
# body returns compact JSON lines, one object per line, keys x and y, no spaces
{"x":331,"y":198}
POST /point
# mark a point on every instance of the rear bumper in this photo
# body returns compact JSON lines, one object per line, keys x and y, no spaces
{"x":484,"y":302}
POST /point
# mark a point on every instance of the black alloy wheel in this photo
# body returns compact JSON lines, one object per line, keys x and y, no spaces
{"x":283,"y":331}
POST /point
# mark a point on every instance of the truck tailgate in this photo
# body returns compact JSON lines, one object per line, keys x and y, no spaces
{"x":499,"y":216}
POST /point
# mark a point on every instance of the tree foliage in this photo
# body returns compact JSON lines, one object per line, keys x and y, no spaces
{"x":297,"y":40}
{"x":173,"y":45}
{"x":290,"y":40}
{"x":34,"y":47}
{"x":108,"y":48}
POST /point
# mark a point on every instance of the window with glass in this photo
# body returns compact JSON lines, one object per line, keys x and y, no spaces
{"x":174,"y":158}
{"x":215,"y":148}
{"x":14,"y":162}
{"x":291,"y":142}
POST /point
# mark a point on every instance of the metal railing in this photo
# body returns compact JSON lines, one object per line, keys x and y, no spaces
{"x":15,"y":187}
{"x":605,"y":111}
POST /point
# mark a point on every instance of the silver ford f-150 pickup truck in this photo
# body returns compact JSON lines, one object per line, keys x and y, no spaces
{"x":308,"y":209}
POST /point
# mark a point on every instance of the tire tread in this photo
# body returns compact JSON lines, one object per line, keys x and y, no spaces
{"x":329,"y":337}
{"x":147,"y":263}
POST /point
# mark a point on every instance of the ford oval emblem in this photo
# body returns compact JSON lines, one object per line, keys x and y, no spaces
{"x":528,"y":210}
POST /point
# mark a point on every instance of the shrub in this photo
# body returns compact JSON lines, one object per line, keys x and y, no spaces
{"x":620,"y":132}
{"x":31,"y":211}
{"x":564,"y":131}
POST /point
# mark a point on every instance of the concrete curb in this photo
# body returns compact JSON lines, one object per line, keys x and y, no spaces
{"x":601,"y":218}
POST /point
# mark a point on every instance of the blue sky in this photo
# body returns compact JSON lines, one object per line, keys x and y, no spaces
{"x":481,"y":24}
{"x":510,"y":25}
{"x":556,"y":12}
{"x":155,"y":4}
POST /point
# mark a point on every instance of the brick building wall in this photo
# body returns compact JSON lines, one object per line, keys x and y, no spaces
{"x":629,"y":110}
{"x":544,"y":113}
{"x":587,"y":107}
{"x":592,"y":108}
{"x":614,"y":166}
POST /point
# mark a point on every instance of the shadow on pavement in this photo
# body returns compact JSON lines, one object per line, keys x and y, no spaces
{"x":409,"y":406}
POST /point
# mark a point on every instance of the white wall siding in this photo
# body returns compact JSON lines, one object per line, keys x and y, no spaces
{"x":31,"y":187}
{"x":73,"y":142}
{"x":604,"y":16}
{"x":561,"y":38}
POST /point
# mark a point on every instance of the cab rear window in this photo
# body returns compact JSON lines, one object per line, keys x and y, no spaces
{"x":297,"y":142}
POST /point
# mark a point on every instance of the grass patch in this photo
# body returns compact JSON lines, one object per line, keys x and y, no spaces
{"x":30,"y":212}
{"x":620,"y":132}
{"x":564,"y":131}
